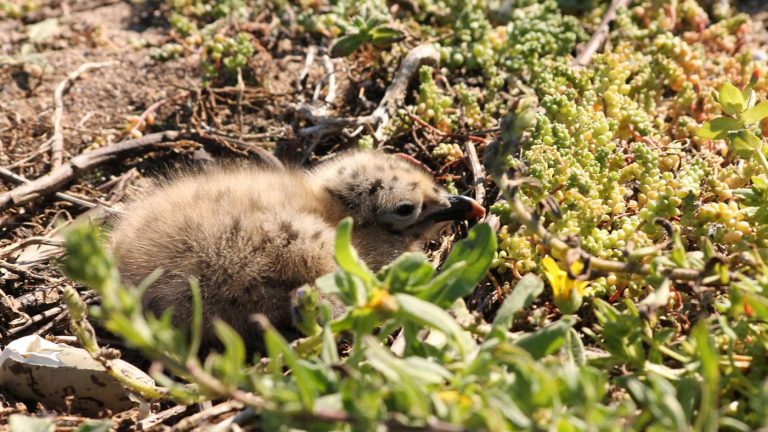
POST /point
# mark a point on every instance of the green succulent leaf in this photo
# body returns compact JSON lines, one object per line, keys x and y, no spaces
{"x":231,"y":362}
{"x":279,"y":351}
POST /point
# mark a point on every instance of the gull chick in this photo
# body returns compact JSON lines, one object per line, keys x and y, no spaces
{"x":253,"y":235}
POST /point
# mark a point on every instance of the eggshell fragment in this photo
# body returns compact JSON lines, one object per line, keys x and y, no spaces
{"x":36,"y":370}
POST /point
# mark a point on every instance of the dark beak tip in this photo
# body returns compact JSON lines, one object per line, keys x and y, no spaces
{"x":461,"y":208}
{"x":477,"y":211}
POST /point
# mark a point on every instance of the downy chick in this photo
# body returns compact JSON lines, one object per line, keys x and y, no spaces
{"x":252,"y":235}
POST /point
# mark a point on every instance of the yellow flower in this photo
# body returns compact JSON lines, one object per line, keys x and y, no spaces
{"x":567,"y":292}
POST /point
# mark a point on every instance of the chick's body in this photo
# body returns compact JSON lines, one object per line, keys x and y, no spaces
{"x":253,"y":235}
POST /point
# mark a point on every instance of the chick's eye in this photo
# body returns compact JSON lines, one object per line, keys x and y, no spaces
{"x":405,"y":209}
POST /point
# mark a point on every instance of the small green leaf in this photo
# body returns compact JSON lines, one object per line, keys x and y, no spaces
{"x":426,"y":371}
{"x":756,"y":113}
{"x":575,"y":348}
{"x":718,"y":128}
{"x":504,"y":403}
{"x":346,"y":255}
{"x":431,"y":291}
{"x":710,"y":371}
{"x":418,"y":311}
{"x":278,"y":348}
{"x":547,"y":340}
{"x":348,"y":44}
{"x":731,"y":99}
{"x":525,"y":292}
{"x":231,"y":363}
{"x":477,"y":251}
{"x":383,"y":35}
{"x":330,"y":351}
{"x":745,"y":144}
{"x":408,"y":270}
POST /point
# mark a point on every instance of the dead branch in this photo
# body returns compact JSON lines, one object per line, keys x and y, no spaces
{"x":57,"y":145}
{"x":198,"y":420}
{"x":150,"y":422}
{"x":331,"y":75}
{"x":28,"y":242}
{"x":57,"y":178}
{"x":267,"y":158}
{"x":60,"y":176}
{"x":392,"y":100}
{"x":60,"y":195}
{"x":143,"y":118}
{"x":601,"y":34}
{"x":478,"y":173}
{"x":43,"y":316}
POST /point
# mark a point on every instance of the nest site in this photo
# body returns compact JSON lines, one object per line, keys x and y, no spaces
{"x":125,"y":91}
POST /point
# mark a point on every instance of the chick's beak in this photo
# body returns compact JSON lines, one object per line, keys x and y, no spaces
{"x":461,"y":208}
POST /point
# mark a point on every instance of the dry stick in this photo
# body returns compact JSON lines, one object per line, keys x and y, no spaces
{"x":331,"y":73}
{"x":60,"y":195}
{"x":57,"y":178}
{"x":156,"y":419}
{"x":197,"y":420}
{"x":307,"y":63}
{"x":478,"y":173}
{"x":267,"y":158}
{"x":44,"y":147}
{"x":393,"y":98}
{"x":601,"y":34}
{"x":29,"y":241}
{"x":57,"y":145}
{"x":38,"y":318}
{"x":152,"y":108}
{"x":241,"y":90}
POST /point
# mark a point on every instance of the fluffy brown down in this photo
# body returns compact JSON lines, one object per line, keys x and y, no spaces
{"x":253,"y":235}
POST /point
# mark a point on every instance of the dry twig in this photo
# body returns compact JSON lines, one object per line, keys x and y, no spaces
{"x":57,"y":145}
{"x":60,"y":195}
{"x":393,"y":98}
{"x":476,"y":168}
{"x":56,"y":179}
{"x":156,"y":419}
{"x":601,"y":34}
{"x":197,"y":420}
{"x":60,"y":176}
{"x":151,"y":111}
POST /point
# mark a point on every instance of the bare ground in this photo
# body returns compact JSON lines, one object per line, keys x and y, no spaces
{"x":39,"y":51}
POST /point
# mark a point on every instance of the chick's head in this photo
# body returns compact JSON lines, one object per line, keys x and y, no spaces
{"x":391,"y":192}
